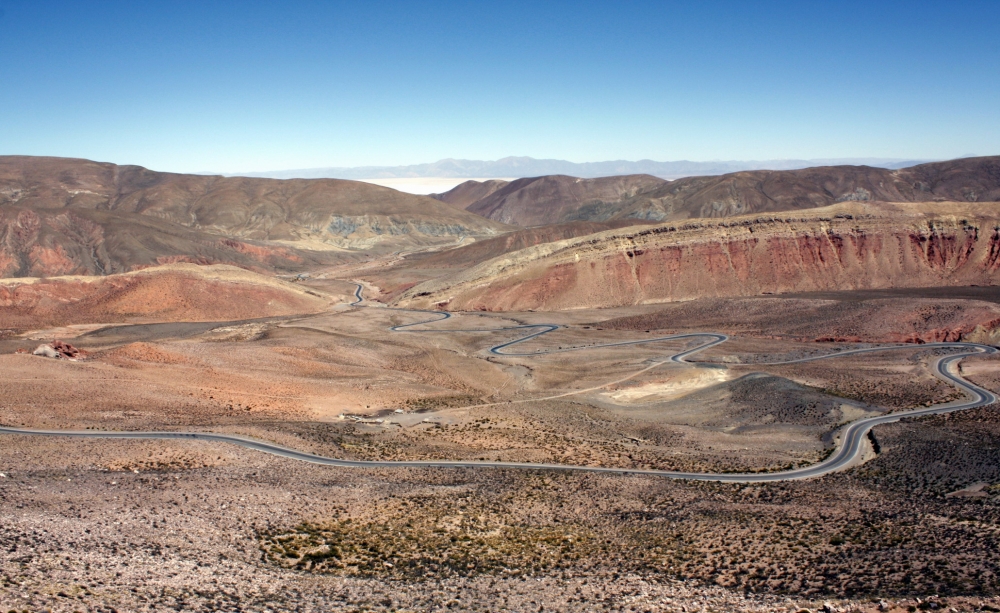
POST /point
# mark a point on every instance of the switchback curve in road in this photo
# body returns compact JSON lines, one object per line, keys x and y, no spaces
{"x":849,"y":449}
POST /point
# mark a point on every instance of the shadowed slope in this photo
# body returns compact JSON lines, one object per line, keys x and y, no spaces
{"x":345,"y":214}
{"x":554,"y":199}
{"x":965,"y":180}
{"x":465,"y":194}
{"x":79,"y":241}
{"x":557,"y":199}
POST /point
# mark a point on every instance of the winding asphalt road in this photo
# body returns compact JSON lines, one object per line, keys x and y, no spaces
{"x":846,"y":453}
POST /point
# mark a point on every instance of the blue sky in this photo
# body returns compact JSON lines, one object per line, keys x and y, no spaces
{"x":244,"y":86}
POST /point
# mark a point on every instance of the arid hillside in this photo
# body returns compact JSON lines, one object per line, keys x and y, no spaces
{"x":557,"y":199}
{"x":846,"y":246}
{"x":175,"y":292}
{"x":488,"y":248}
{"x":319,"y":213}
{"x":78,"y":241}
{"x":964,"y":180}
{"x":464,"y":194}
{"x":892,"y":316}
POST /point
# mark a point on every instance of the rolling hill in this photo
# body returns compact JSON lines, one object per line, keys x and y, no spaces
{"x":464,"y":194}
{"x":553,"y":199}
{"x":174,"y":292}
{"x":556,"y":199}
{"x":346,"y":214}
{"x":68,"y":216}
{"x":77,"y":241}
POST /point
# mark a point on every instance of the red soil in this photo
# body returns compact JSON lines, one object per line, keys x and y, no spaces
{"x":164,"y":294}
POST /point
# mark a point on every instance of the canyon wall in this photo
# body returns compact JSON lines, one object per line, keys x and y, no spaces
{"x":842,"y":247}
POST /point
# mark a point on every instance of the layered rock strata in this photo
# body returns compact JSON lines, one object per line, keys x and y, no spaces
{"x":842,"y":247}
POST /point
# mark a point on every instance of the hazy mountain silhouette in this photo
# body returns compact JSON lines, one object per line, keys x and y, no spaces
{"x":516,"y":167}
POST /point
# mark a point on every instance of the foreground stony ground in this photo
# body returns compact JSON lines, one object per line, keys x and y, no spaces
{"x":92,"y":525}
{"x":202,"y":527}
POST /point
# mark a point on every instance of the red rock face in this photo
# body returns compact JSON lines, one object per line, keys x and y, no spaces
{"x":49,"y":262}
{"x":769,"y":257}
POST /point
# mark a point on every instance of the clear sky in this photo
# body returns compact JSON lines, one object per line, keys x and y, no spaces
{"x":245,"y":86}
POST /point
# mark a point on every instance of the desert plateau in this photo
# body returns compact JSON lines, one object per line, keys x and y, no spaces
{"x":311,"y":395}
{"x":499,"y":307}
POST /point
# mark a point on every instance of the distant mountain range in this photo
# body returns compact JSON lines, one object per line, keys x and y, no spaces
{"x":63,"y":216}
{"x":559,"y":199}
{"x":515,"y":167}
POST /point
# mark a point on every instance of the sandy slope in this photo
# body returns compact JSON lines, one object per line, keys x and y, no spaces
{"x":174,"y":292}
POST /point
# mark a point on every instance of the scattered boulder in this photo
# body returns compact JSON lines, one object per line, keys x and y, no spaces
{"x":976,"y":490}
{"x":46,"y":351}
{"x":59,"y":350}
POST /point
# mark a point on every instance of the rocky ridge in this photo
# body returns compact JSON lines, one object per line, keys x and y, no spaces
{"x":963,"y":180}
{"x":847,"y":246}
{"x":553,"y":199}
{"x":74,"y":241}
{"x":471,"y":191}
{"x":317,"y":214}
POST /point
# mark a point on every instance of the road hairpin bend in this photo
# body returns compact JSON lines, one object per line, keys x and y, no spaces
{"x":851,"y":438}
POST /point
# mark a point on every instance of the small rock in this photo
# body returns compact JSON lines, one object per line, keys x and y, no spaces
{"x":46,"y":351}
{"x":59,"y":349}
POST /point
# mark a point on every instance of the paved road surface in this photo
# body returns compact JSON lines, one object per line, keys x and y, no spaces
{"x":848,"y":451}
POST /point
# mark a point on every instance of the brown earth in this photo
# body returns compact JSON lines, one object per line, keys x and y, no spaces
{"x":317,"y":214}
{"x":150,"y":525}
{"x":884,"y":320}
{"x":553,"y":199}
{"x":146,"y":525}
{"x":842,"y":247}
{"x":176,"y":292}
{"x":47,"y":242}
{"x":963,"y":180}
{"x":464,"y":194}
{"x":488,"y":248}
{"x":388,"y":280}
{"x":556,"y":198}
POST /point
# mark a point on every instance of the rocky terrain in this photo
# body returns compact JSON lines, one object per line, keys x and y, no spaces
{"x":488,"y":248}
{"x":464,"y":194}
{"x":964,"y":180}
{"x":91,"y":213}
{"x":911,"y":316}
{"x":140,"y":332}
{"x":842,"y":247}
{"x":45,"y":242}
{"x":142,"y":525}
{"x":553,"y":199}
{"x":145,"y":526}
